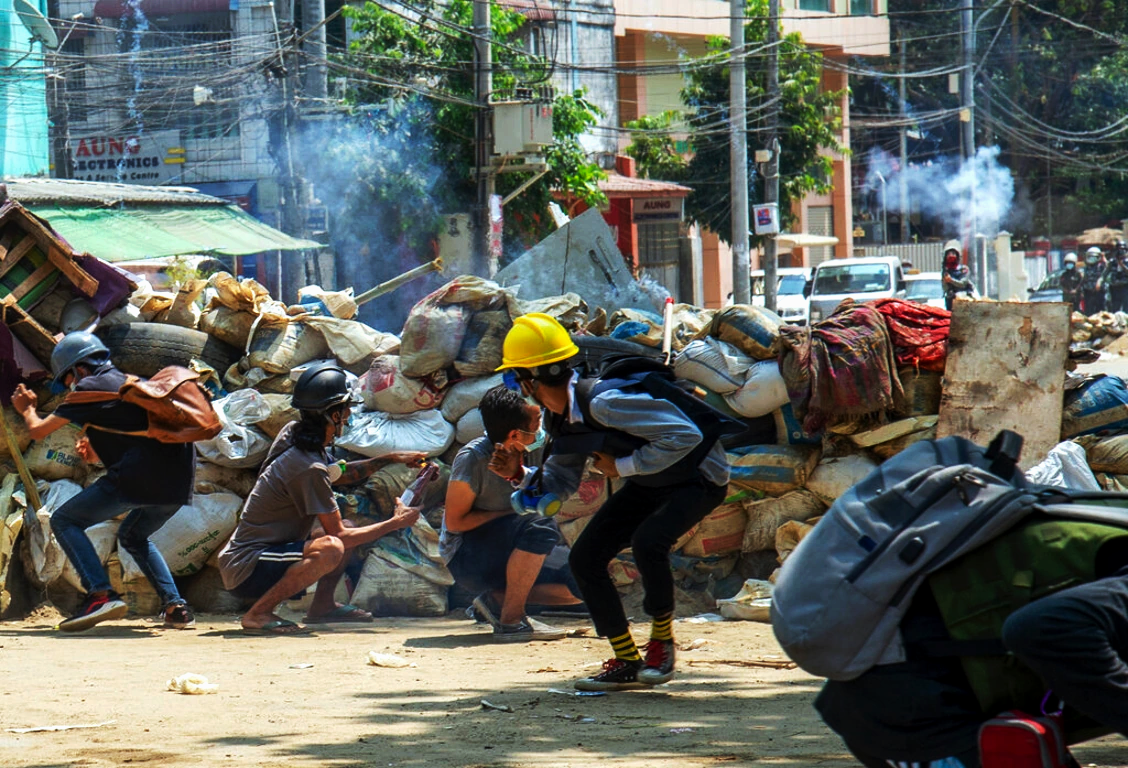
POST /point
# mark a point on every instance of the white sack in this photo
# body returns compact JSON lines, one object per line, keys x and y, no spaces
{"x":375,"y":434}
{"x":762,"y":392}
{"x":1065,"y":467}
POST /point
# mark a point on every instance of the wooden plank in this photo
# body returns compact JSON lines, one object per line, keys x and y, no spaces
{"x":1005,"y":370}
{"x":23,"y":326}
{"x":18,"y":252}
{"x":76,"y":275}
{"x":34,"y":279}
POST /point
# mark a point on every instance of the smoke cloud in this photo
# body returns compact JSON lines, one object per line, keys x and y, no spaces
{"x":941,"y":189}
{"x":372,"y":172}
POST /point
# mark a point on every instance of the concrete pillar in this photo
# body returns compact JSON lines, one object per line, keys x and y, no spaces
{"x":716,"y":268}
{"x":1012,"y":269}
{"x":630,"y":51}
{"x":842,"y":196}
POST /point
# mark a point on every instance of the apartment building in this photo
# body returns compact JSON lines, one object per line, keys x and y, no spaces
{"x":649,"y":32}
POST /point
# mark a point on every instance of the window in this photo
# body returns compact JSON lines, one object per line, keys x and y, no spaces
{"x":168,"y":97}
{"x":791,"y":285}
{"x":923,"y":289}
{"x":814,"y":5}
{"x":853,"y":278}
{"x":861,"y":7}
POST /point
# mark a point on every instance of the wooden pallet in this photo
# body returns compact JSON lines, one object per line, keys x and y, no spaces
{"x":33,"y":260}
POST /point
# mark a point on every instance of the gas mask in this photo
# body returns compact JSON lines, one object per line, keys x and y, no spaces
{"x":335,"y":470}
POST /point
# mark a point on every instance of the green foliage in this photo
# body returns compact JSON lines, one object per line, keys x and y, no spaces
{"x":182,"y":269}
{"x":1055,"y":62}
{"x":809,"y":121}
{"x":654,"y":149}
{"x":421,"y":76}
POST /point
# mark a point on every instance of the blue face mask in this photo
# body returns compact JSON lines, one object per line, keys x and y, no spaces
{"x":538,"y":440}
{"x":1070,"y":265}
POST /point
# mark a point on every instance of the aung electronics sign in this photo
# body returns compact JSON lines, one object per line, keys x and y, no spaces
{"x":146,"y":158}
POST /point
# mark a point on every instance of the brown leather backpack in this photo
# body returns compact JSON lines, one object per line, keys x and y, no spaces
{"x":179,"y":409}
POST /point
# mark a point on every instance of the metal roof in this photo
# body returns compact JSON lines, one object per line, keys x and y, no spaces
{"x":617,"y":185}
{"x":31,"y":190}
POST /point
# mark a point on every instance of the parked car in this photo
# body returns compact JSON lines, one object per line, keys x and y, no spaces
{"x":928,"y":288}
{"x":1049,"y":289}
{"x":791,"y":293}
{"x":862,"y":279}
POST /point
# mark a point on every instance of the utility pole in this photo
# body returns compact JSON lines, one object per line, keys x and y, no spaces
{"x":314,"y":44}
{"x":967,"y":117}
{"x":903,"y":176}
{"x":483,"y":132}
{"x":60,"y":120}
{"x":771,"y":181}
{"x":738,"y":157}
{"x":293,"y":218}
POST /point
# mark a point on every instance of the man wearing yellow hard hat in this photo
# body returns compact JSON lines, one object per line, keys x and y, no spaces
{"x":675,"y":473}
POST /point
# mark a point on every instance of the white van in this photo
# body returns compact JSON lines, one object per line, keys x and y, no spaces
{"x":791,"y":296}
{"x":863,"y":279}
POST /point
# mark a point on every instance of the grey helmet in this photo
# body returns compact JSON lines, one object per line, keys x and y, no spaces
{"x":74,"y":348}
{"x":1093,"y":255}
{"x":320,"y":388}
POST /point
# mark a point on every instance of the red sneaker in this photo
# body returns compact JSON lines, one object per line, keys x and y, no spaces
{"x":94,"y":610}
{"x":659,"y":665}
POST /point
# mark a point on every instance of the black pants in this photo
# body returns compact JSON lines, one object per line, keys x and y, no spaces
{"x":1118,"y":298}
{"x":1093,"y":301}
{"x":1077,"y":641}
{"x":650,"y":520}
{"x":481,"y":561}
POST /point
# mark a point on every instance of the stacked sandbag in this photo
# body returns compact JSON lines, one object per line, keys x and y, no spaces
{"x":1098,"y":331}
{"x":420,"y":392}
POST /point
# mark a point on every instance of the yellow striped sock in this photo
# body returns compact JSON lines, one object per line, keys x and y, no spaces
{"x":663,"y":628}
{"x":625,"y":648}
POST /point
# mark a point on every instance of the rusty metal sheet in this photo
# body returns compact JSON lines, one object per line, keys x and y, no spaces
{"x":1005,"y":370}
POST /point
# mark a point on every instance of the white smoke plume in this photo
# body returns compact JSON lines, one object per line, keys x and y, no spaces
{"x":941,"y":189}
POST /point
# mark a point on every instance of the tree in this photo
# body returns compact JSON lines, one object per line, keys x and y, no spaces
{"x":1050,"y":78}
{"x":809,"y":121}
{"x":420,"y":70}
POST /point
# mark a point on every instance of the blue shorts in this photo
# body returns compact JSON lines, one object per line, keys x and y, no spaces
{"x":271,"y":566}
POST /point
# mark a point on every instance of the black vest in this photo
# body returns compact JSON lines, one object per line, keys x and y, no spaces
{"x":588,"y":436}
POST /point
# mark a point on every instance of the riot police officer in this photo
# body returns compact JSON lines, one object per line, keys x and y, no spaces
{"x":1116,"y":278}
{"x":1071,"y":282}
{"x":1092,"y":289}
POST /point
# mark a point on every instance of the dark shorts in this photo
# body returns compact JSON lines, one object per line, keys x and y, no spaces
{"x":481,"y":560}
{"x":271,"y":566}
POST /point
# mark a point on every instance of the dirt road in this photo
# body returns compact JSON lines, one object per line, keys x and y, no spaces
{"x":343,"y":712}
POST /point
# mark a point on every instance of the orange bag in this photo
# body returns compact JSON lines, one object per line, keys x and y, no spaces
{"x":179,"y":408}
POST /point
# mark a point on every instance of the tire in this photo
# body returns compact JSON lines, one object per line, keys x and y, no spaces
{"x":594,"y":350}
{"x":144,"y":348}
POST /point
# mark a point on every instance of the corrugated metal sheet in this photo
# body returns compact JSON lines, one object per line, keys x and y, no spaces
{"x":154,"y":231}
{"x":115,"y":9}
{"x":29,"y":190}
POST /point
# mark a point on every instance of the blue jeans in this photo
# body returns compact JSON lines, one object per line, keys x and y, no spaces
{"x":98,"y":503}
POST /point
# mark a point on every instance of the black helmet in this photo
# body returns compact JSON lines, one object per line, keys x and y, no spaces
{"x":1120,"y":245}
{"x":74,"y":348}
{"x":320,"y":388}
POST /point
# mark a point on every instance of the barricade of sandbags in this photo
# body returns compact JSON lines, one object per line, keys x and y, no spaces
{"x":752,"y":330}
{"x":438,"y":326}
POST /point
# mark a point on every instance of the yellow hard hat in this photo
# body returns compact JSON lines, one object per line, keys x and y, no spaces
{"x":536,"y":339}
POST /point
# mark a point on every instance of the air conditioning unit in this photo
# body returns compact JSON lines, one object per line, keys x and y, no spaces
{"x":521,"y":127}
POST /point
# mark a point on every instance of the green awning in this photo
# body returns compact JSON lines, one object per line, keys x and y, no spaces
{"x":156,"y":231}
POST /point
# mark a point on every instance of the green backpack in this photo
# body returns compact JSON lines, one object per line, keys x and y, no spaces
{"x":977,"y":592}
